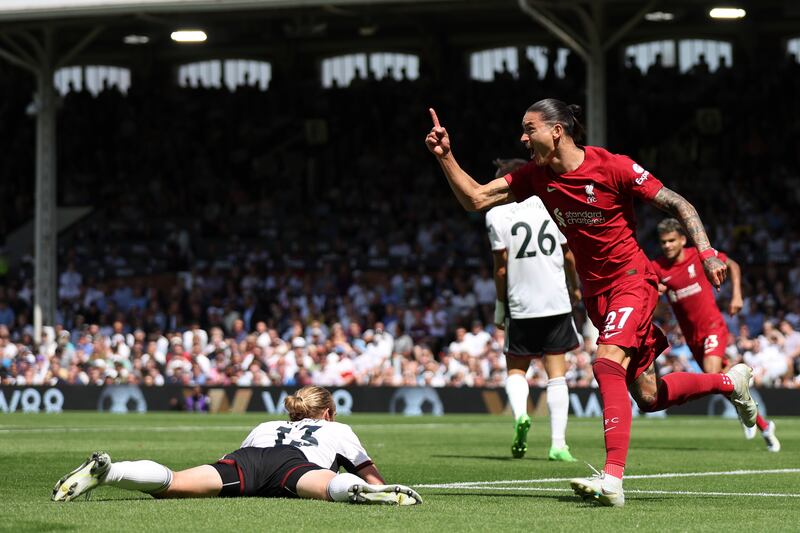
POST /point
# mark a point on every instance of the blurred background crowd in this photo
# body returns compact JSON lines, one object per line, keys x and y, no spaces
{"x":237,"y":246}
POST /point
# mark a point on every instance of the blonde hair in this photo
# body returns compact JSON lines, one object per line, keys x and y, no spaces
{"x":309,"y":402}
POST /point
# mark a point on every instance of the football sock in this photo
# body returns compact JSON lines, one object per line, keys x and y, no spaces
{"x":340,"y":484}
{"x":761,"y":423}
{"x":680,"y":387}
{"x":145,"y":476}
{"x":517,"y":390}
{"x":610,"y":377}
{"x":558,"y":405}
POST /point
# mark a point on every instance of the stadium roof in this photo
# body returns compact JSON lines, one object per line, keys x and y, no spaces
{"x":269,"y":28}
{"x":48,"y":9}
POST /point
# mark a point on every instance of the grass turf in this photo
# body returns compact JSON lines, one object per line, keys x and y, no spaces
{"x":35,"y":450}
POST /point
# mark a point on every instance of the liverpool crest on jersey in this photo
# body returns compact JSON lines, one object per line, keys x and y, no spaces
{"x":590,"y":197}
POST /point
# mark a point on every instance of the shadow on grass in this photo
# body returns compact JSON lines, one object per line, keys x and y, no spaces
{"x":103,"y":499}
{"x":491,"y":458}
{"x":685,"y":448}
{"x":543,"y":496}
{"x":35,"y":525}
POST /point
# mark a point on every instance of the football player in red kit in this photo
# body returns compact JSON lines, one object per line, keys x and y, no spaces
{"x":691,"y":296}
{"x":589,"y":192}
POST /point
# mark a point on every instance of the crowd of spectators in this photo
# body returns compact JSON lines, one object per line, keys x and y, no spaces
{"x":233,"y":247}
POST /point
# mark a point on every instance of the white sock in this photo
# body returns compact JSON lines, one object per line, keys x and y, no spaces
{"x":517,"y":390}
{"x":558,"y":405}
{"x":144,"y":476}
{"x":339,"y":486}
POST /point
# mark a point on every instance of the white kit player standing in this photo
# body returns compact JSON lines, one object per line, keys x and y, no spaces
{"x":533,"y":306}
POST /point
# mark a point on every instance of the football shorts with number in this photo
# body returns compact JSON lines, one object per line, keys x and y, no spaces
{"x":624,"y":316}
{"x":711,"y":344}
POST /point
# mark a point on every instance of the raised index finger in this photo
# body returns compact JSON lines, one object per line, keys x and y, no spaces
{"x":434,"y":118}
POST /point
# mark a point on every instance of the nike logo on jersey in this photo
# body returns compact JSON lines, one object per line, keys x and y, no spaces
{"x":550,"y":189}
{"x":609,"y":335}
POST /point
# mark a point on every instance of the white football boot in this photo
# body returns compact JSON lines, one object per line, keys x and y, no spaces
{"x":604,"y":489}
{"x":747,"y":408}
{"x":750,"y":433}
{"x":83,"y":479}
{"x":384,"y":494}
{"x":773,"y":444}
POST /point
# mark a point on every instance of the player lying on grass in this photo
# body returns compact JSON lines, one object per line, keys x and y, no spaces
{"x":295,"y":459}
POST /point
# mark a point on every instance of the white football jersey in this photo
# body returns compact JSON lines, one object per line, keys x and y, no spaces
{"x":535,"y":273}
{"x":327,"y":444}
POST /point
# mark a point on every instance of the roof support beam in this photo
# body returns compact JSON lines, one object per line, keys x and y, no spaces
{"x":40,"y":58}
{"x":589,"y":46}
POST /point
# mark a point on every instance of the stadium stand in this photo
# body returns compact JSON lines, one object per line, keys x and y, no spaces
{"x":238,"y":245}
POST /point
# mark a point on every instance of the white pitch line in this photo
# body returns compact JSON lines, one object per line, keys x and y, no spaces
{"x":474,"y":484}
{"x":360,"y":427}
{"x":131,"y":429}
{"x":628,"y":491}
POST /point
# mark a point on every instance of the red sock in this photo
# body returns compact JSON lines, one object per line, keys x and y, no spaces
{"x":610,"y":377}
{"x":761,"y":423}
{"x":680,"y":387}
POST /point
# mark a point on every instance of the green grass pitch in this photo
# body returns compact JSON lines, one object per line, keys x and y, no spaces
{"x":497,"y":493}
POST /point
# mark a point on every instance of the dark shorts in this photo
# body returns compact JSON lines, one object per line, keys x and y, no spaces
{"x":534,"y":337}
{"x":624,"y":316}
{"x":267,"y":472}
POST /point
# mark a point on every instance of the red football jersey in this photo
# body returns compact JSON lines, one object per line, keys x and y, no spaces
{"x":593,"y":207}
{"x":690,"y":294}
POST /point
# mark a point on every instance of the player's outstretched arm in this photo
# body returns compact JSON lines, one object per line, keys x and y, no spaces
{"x":470,"y":194}
{"x":736,"y":291}
{"x":679,"y":207}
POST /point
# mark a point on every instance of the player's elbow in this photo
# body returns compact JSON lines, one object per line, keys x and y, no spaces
{"x":473,"y":204}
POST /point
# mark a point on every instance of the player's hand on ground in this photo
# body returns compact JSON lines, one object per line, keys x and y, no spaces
{"x":716,"y":271}
{"x":736,"y":305}
{"x":437,"y":141}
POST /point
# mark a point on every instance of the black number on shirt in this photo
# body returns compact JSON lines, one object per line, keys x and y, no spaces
{"x":306,"y":439}
{"x":282,"y":432}
{"x":547,"y":242}
{"x":543,"y":236}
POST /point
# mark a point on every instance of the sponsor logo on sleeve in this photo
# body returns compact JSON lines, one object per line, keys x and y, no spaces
{"x":642,"y":174}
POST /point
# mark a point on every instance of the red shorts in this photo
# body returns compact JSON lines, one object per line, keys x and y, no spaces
{"x":710,"y":344}
{"x":624,"y":316}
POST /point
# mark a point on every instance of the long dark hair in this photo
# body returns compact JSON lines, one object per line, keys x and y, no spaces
{"x":555,"y":111}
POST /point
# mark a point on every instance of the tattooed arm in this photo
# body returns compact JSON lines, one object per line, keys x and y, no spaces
{"x":677,"y":206}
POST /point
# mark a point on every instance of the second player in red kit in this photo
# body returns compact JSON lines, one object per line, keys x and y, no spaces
{"x":589,"y":192}
{"x":691,"y":297}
